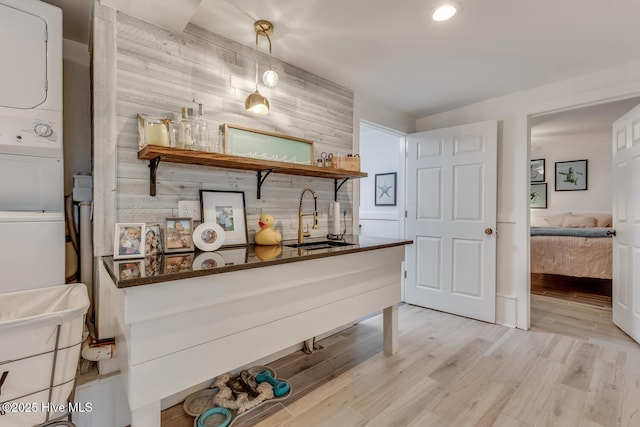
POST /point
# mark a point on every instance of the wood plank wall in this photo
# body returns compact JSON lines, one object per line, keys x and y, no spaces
{"x":158,"y":72}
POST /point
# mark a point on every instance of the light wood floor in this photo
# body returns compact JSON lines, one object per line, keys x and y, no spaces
{"x":573,"y":368}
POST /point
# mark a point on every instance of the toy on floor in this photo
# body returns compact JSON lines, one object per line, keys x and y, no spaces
{"x":225,"y":396}
{"x":280,"y":388}
{"x":266,"y":235}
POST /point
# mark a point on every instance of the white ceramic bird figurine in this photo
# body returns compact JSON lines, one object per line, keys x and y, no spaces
{"x":266,"y":235}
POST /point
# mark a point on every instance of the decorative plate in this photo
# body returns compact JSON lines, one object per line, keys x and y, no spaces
{"x":208,"y":236}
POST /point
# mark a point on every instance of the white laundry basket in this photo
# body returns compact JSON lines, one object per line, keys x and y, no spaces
{"x":40,"y":342}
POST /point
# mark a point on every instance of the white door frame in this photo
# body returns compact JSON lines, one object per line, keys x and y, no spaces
{"x":555,"y":106}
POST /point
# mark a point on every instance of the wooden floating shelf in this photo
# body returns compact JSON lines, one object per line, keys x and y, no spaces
{"x":156,"y":153}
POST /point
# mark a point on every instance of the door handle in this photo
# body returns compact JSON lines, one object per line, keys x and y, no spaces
{"x":488,"y":231}
{"x":611,"y":233}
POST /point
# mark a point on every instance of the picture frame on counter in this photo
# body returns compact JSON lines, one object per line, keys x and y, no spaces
{"x":129,"y":240}
{"x":228,"y":210}
{"x":153,"y":242}
{"x":178,"y":235}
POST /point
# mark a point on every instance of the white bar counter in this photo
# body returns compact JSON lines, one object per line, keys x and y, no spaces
{"x":176,"y":330}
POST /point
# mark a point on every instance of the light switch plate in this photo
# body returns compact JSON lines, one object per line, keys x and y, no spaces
{"x":189,"y":209}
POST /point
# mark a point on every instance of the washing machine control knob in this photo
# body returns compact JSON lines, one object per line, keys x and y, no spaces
{"x":43,"y":130}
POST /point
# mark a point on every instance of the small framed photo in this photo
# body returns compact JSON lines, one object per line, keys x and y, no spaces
{"x":153,"y":240}
{"x":178,"y":235}
{"x":128,"y":241}
{"x":385,"y":190}
{"x":227,"y":209}
{"x":571,"y":176}
{"x":538,"y":196}
{"x":127,"y":270}
{"x":537,"y":170}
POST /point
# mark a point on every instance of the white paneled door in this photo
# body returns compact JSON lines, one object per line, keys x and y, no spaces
{"x":626,"y":223}
{"x":451,"y":217}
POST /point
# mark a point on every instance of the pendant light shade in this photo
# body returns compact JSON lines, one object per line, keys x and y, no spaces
{"x":257,"y":103}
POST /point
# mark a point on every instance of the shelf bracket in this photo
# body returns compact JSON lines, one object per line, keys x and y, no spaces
{"x":153,"y":168}
{"x":337,"y":187}
{"x":261,"y":180}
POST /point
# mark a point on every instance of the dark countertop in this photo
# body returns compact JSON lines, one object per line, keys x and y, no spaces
{"x":175,"y":266}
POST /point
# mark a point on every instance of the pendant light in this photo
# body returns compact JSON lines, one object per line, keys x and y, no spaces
{"x":256,"y":102}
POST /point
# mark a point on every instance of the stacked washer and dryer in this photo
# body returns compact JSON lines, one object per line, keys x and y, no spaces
{"x":32,"y":228}
{"x":41,"y":318}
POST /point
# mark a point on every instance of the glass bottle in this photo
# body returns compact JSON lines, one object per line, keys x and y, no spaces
{"x":184,"y":131}
{"x":201,"y":132}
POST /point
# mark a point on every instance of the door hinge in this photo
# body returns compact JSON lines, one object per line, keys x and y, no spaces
{"x":405,"y":274}
{"x":406,"y":215}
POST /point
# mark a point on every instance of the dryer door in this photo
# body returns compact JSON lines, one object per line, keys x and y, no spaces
{"x":23,"y":49}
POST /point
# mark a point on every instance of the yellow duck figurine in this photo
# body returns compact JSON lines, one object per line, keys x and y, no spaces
{"x":267,"y":236}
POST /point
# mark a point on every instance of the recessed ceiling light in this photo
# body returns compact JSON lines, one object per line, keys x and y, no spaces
{"x":445,"y":11}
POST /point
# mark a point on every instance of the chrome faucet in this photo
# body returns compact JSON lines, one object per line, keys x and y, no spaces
{"x":301,"y":234}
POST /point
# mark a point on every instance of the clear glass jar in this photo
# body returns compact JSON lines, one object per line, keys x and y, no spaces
{"x":185,"y":139}
{"x":201,"y":139}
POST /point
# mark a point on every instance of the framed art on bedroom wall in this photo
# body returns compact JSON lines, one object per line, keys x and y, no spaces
{"x":571,"y":176}
{"x":538,"y":196}
{"x":537,"y":170}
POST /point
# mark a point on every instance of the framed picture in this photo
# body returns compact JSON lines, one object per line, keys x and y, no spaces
{"x":153,"y":239}
{"x":127,"y":270}
{"x":227,"y":209}
{"x":128,"y":241}
{"x":385,"y":190}
{"x":538,"y":196}
{"x":537,"y":170}
{"x":178,"y":235}
{"x":571,"y":176}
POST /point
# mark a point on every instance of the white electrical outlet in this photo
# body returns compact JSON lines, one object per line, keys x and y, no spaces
{"x":189,"y":209}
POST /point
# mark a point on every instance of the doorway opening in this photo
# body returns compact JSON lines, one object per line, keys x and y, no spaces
{"x":564,"y":264}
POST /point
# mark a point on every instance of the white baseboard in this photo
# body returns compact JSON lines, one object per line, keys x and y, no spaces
{"x":507,"y":310}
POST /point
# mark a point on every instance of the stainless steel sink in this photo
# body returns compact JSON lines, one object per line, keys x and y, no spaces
{"x":325,"y":244}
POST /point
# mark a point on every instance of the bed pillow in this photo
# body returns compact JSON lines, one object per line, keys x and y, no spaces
{"x":556,"y":220}
{"x":579,"y":221}
{"x":602,"y":220}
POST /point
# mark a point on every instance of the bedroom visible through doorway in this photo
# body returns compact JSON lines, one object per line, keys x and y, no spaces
{"x":571,"y":200}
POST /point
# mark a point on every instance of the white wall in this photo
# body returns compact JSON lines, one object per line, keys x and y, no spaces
{"x":596,"y":148}
{"x":381,"y":151}
{"x":512,"y":111}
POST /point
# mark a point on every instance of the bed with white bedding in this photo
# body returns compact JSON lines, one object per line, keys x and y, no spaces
{"x":575,"y":246}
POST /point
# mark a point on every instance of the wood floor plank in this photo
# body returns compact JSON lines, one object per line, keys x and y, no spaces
{"x":564,"y":407}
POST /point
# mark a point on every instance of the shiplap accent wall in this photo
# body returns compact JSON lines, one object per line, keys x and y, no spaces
{"x":141,"y":68}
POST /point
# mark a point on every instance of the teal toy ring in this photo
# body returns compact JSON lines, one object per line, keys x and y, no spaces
{"x":215,"y":411}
